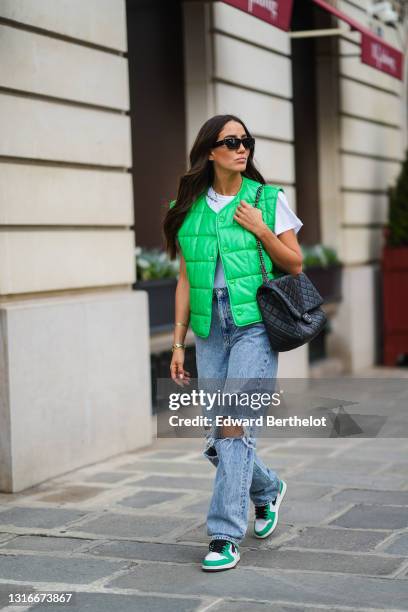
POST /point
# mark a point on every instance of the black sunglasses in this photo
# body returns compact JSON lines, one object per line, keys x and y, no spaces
{"x":232,"y":143}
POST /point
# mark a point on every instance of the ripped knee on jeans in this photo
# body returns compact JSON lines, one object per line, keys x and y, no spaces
{"x":210,"y":451}
{"x":246,"y":438}
{"x":232,"y":431}
{"x":239,"y":431}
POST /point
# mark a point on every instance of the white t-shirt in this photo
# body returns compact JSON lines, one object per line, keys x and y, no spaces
{"x":285,"y":219}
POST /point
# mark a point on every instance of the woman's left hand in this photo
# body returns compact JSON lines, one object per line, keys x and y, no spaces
{"x":249,"y":217}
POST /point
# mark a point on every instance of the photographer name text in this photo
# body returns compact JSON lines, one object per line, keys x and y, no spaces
{"x":269,"y":421}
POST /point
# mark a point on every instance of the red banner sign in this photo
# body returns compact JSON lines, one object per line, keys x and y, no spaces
{"x":276,"y":12}
{"x":374,"y":51}
{"x":379,"y":55}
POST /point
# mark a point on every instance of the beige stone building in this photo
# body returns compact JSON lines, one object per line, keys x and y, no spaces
{"x":100,"y":101}
{"x":74,"y":352}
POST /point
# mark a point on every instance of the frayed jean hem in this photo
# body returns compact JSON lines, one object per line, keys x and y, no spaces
{"x":222,"y":536}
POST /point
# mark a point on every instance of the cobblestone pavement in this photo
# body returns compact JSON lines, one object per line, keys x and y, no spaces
{"x":129,"y":533}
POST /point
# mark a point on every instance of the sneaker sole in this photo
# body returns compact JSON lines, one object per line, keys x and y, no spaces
{"x":224,"y":567}
{"x":278,"y":503}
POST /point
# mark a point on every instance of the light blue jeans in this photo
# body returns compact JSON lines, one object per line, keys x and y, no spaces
{"x":236,"y":355}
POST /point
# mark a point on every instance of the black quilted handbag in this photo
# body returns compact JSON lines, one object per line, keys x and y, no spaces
{"x":289,"y":305}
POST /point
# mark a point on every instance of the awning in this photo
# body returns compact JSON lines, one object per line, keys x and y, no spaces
{"x":276,"y":12}
{"x":374,"y":50}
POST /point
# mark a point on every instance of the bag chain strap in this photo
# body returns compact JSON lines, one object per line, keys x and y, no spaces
{"x":258,"y":242}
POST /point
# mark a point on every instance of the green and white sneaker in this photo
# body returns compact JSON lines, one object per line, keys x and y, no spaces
{"x":222,"y":555}
{"x":266,"y":517}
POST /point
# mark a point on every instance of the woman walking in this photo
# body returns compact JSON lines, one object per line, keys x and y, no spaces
{"x":214,"y":226}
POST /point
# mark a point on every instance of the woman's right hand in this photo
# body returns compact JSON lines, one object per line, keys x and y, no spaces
{"x":177,"y":371}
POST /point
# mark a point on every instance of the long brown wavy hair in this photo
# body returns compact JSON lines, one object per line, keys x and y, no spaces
{"x":200,"y":176}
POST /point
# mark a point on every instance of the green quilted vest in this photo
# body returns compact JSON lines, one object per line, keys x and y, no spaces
{"x":205,"y":233}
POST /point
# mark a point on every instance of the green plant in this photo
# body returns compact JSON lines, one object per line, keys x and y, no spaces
{"x":318,"y":255}
{"x":398,"y":208}
{"x":155,"y":263}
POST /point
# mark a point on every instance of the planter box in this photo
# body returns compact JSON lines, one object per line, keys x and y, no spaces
{"x":394,"y":268}
{"x":327,"y":281}
{"x":161,"y":293}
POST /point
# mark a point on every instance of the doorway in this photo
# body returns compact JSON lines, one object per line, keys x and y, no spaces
{"x":315,"y":112}
{"x":156,"y":79}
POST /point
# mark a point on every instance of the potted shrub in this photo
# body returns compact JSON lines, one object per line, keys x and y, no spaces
{"x":157,"y":275}
{"x":394,"y":269}
{"x":322,"y":266}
